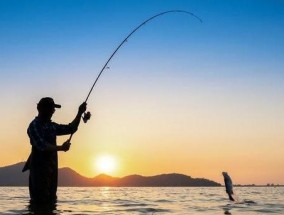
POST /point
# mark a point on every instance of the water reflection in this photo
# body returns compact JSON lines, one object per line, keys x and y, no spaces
{"x":42,"y":208}
{"x":227,"y":210}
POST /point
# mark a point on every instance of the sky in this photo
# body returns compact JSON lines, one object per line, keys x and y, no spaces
{"x":179,"y":97}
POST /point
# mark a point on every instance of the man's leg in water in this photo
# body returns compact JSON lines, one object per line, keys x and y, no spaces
{"x":39,"y":188}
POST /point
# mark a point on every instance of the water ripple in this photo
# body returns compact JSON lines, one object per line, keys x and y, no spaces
{"x":124,"y":201}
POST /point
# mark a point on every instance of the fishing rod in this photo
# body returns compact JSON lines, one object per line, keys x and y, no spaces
{"x":129,"y":35}
{"x":87,"y":115}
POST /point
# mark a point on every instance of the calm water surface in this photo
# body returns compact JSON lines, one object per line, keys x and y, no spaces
{"x":189,"y":200}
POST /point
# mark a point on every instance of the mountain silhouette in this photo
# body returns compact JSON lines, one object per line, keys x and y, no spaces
{"x":13,"y":176}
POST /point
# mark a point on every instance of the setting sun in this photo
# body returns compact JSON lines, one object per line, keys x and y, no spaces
{"x":106,"y":164}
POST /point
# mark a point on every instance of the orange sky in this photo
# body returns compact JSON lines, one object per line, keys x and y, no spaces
{"x":150,"y":140}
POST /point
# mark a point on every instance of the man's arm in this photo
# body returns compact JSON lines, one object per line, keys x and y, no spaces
{"x":75,"y":123}
{"x":38,"y":141}
{"x":72,"y":127}
{"x":64,"y":147}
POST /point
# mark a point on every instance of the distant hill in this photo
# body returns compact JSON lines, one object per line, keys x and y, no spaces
{"x":12,"y":176}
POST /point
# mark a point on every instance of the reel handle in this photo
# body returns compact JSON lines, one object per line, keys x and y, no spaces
{"x":86,"y":117}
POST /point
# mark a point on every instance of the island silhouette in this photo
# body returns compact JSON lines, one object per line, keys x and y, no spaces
{"x":12,"y":176}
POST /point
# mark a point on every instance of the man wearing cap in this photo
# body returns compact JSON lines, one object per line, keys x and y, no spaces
{"x":43,"y":161}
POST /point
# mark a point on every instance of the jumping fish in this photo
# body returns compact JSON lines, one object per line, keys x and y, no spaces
{"x":228,"y":185}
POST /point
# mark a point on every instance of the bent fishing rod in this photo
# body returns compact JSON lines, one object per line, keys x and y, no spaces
{"x":87,"y":115}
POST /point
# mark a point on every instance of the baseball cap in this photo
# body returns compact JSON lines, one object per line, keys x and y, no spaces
{"x":48,"y":102}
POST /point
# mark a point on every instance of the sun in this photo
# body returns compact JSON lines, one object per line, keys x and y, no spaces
{"x":106,"y":164}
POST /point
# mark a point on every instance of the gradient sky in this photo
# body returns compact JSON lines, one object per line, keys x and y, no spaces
{"x":180,"y":96}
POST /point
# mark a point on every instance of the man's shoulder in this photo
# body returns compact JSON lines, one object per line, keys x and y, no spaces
{"x":35,"y":120}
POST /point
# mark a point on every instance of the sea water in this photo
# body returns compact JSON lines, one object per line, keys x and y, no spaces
{"x":150,"y":200}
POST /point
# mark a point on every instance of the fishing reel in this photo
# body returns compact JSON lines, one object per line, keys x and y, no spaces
{"x":86,"y":116}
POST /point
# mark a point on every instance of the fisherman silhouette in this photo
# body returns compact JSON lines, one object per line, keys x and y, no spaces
{"x":43,"y":160}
